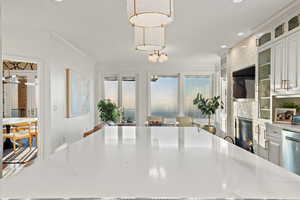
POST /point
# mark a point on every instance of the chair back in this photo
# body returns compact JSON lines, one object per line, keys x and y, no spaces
{"x":61,"y":147}
{"x":184,"y":121}
{"x":21,"y":127}
{"x":155,"y":120}
{"x":94,"y":130}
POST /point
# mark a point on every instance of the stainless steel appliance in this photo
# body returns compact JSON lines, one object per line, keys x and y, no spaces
{"x":291,"y":151}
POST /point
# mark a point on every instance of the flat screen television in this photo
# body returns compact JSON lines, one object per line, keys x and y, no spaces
{"x":244,"y":83}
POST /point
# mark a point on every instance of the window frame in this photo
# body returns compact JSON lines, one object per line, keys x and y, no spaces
{"x":120,"y":89}
{"x":209,"y":77}
{"x":180,"y":88}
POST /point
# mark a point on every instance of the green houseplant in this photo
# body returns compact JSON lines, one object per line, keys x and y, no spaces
{"x":208,"y":107}
{"x":108,"y":111}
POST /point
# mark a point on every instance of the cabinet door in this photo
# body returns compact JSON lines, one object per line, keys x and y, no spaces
{"x":292,"y":50}
{"x":262,"y":136}
{"x":274,"y":152}
{"x":278,"y":66}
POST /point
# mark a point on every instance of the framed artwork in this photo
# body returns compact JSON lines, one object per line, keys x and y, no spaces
{"x":284,"y":115}
{"x":78,"y":94}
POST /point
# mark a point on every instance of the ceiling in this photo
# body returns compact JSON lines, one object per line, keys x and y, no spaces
{"x":101,"y":28}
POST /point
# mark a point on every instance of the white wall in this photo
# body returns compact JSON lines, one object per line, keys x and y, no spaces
{"x":53,"y":55}
{"x":143,"y":73}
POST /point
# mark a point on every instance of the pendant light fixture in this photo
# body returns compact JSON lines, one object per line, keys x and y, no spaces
{"x":149,"y":39}
{"x":158,"y":56}
{"x":150,"y":13}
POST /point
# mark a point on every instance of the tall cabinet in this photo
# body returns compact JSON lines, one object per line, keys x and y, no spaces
{"x":286,"y":65}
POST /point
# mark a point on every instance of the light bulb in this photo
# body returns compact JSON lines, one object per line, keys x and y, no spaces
{"x":163,"y":57}
{"x":153,"y":58}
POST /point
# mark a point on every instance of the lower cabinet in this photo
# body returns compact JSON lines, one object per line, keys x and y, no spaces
{"x":274,"y":152}
{"x":273,"y":144}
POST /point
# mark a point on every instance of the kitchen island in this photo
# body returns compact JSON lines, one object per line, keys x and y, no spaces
{"x":145,"y":162}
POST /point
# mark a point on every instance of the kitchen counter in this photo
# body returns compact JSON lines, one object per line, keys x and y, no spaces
{"x":294,"y":128}
{"x":152,"y":162}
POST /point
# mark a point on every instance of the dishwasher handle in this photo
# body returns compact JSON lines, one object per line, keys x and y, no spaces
{"x":292,"y":139}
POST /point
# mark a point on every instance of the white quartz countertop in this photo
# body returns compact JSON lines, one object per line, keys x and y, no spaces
{"x":290,"y":127}
{"x":128,"y":162}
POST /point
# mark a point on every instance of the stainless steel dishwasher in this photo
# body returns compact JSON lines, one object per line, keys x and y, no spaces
{"x":291,"y":151}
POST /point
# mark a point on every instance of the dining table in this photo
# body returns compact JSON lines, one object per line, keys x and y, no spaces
{"x":152,"y":163}
{"x":8,"y":122}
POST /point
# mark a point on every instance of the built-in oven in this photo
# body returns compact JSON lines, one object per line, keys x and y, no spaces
{"x":291,"y":151}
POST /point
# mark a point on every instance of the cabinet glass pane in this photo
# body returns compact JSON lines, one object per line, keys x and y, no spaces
{"x":265,"y":104}
{"x":264,"y":89}
{"x":265,"y":114}
{"x":264,"y":71}
{"x":264,"y":57}
{"x":264,"y":84}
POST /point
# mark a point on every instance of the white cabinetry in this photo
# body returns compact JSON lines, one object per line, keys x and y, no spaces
{"x":278,"y":66}
{"x":274,"y":152}
{"x":286,"y":65}
{"x":293,"y":61}
{"x":273,"y":141}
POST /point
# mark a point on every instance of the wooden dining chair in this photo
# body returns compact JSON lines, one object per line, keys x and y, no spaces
{"x":94,"y":130}
{"x":19,"y":131}
{"x":184,"y":121}
{"x":154,"y":121}
{"x":34,"y":130}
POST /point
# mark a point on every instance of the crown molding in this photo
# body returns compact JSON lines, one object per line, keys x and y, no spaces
{"x":71,"y":45}
{"x":278,"y":16}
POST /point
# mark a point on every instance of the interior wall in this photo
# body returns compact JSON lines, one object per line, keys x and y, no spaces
{"x":143,"y":74}
{"x":54,"y":55}
{"x":242,"y":55}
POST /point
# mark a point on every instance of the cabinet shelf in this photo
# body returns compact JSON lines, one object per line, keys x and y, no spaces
{"x":264,"y":64}
{"x":265,"y":109}
{"x":265,"y":79}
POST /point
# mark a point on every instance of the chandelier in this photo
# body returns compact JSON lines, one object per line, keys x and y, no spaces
{"x":150,"y":13}
{"x":149,"y":38}
{"x":158,"y":56}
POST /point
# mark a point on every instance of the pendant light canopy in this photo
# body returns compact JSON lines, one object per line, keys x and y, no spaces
{"x":150,"y":13}
{"x":149,"y":39}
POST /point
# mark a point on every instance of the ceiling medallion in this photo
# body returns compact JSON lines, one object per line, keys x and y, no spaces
{"x":150,"y":13}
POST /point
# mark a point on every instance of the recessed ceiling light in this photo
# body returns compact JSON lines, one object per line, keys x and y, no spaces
{"x":244,"y":46}
{"x":224,"y":46}
{"x":237,"y":1}
{"x":58,"y":0}
{"x":241,"y":34}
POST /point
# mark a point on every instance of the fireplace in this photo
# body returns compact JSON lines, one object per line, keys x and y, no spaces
{"x":244,"y":134}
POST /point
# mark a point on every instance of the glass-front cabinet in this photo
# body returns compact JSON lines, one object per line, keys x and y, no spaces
{"x":264,"y":84}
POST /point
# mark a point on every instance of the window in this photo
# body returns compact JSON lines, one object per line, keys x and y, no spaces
{"x":128,"y":99}
{"x":124,"y":96}
{"x":164,"y":96}
{"x":192,"y":86}
{"x":111,"y":88}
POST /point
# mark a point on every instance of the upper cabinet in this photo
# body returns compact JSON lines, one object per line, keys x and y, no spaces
{"x":278,"y":65}
{"x":285,"y":65}
{"x":293,"y":61}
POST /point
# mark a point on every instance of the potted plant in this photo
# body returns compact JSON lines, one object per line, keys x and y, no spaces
{"x":108,"y":112}
{"x":208,"y":107}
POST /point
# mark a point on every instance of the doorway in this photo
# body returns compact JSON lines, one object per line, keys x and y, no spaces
{"x":20,"y":115}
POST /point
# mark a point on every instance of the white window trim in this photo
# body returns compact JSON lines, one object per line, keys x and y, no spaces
{"x":181,"y":76}
{"x":120,"y":99}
